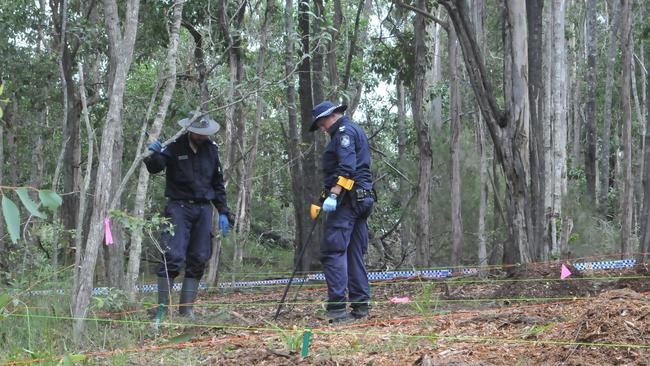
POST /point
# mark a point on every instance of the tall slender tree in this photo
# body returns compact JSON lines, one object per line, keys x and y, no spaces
{"x":454,"y":145}
{"x":559,"y":112}
{"x":590,"y":125}
{"x":604,"y":177}
{"x":422,"y":225}
{"x":121,"y":45}
{"x":626,"y":108}
{"x":534,"y":18}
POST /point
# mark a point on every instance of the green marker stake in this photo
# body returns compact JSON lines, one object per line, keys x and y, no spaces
{"x":159,"y":315}
{"x":305,"y":344}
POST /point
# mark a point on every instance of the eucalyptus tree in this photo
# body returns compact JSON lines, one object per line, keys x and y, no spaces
{"x":644,"y":243}
{"x":534,"y":19}
{"x":121,"y":45}
{"x":422,"y":225}
{"x":626,"y":108}
{"x":559,"y":114}
{"x":610,"y":62}
{"x":478,"y":19}
{"x":509,"y":128}
{"x":590,"y":148}
{"x":454,"y":146}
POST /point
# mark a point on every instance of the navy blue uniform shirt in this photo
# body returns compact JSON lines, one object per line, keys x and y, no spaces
{"x":191,"y":176}
{"x":347,"y":155}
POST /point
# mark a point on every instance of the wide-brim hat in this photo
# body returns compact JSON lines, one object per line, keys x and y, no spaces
{"x":201,"y":126}
{"x":325,"y":109}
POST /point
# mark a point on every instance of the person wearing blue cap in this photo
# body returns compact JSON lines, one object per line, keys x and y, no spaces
{"x":350,"y":196}
{"x":193,"y":184}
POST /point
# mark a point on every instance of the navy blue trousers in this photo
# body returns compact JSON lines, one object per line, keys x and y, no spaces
{"x":191,"y":245}
{"x":342,"y":251}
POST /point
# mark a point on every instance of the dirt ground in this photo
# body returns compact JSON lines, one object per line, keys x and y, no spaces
{"x":528,"y":318}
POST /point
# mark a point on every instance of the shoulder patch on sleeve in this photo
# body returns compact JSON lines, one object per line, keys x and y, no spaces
{"x":342,"y":128}
{"x":345,"y":141}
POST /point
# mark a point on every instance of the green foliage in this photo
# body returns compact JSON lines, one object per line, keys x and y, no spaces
{"x":115,"y":300}
{"x":147,"y":224}
{"x":425,"y":303}
{"x":292,"y":339}
{"x":11,"y":214}
{"x":12,"y":218}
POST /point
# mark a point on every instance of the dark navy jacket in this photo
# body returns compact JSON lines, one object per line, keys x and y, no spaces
{"x":191,"y":176}
{"x":347,"y":155}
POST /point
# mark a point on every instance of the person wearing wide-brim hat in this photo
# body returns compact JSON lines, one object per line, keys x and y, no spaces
{"x":350,"y":196}
{"x":194,"y":183}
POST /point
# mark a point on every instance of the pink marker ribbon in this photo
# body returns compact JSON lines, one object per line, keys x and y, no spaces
{"x":107,"y":230}
{"x":400,"y":300}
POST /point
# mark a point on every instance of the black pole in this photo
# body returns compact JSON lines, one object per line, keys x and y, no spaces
{"x":295,"y":268}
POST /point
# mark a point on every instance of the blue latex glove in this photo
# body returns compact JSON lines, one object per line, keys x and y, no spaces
{"x":329,"y":204}
{"x":155,"y":146}
{"x":223,"y":224}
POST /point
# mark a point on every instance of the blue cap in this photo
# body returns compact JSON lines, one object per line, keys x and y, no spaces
{"x":325,"y":109}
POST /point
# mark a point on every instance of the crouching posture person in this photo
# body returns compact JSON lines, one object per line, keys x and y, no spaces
{"x":350,"y":198}
{"x":194,"y":183}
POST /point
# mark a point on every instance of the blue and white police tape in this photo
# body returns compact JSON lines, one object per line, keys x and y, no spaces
{"x":372,"y":276}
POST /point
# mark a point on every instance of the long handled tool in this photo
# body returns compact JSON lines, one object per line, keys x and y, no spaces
{"x":295,"y":268}
{"x":347,"y":184}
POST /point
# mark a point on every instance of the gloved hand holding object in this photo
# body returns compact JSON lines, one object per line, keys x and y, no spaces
{"x":329,"y":205}
{"x":223,"y":224}
{"x":155,"y":146}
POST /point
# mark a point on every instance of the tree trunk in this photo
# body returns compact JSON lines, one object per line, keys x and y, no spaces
{"x":235,"y":169}
{"x":479,"y":27}
{"x":551,"y":245}
{"x":436,"y":74}
{"x":626,"y":226}
{"x":644,"y":244}
{"x":534,"y":15}
{"x":638,"y":159}
{"x":607,"y":107}
{"x":90,"y":134}
{"x":333,"y":70}
{"x":310,"y":181}
{"x":406,"y":229}
{"x":559,"y":111}
{"x":318,"y":56}
{"x":114,"y":253}
{"x":169,"y":75}
{"x":518,"y":105}
{"x":590,"y":106}
{"x":121,"y":50}
{"x":292,"y":137}
{"x":577,"y":158}
{"x":509,"y":131}
{"x":454,"y":144}
{"x":422,"y":214}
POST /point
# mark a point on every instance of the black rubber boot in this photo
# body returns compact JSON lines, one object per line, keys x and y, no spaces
{"x":188,"y":295}
{"x":338,"y":316}
{"x":359,"y":311}
{"x":164,"y":295}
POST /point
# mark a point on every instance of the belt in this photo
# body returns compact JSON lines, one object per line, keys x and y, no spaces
{"x":192,"y":202}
